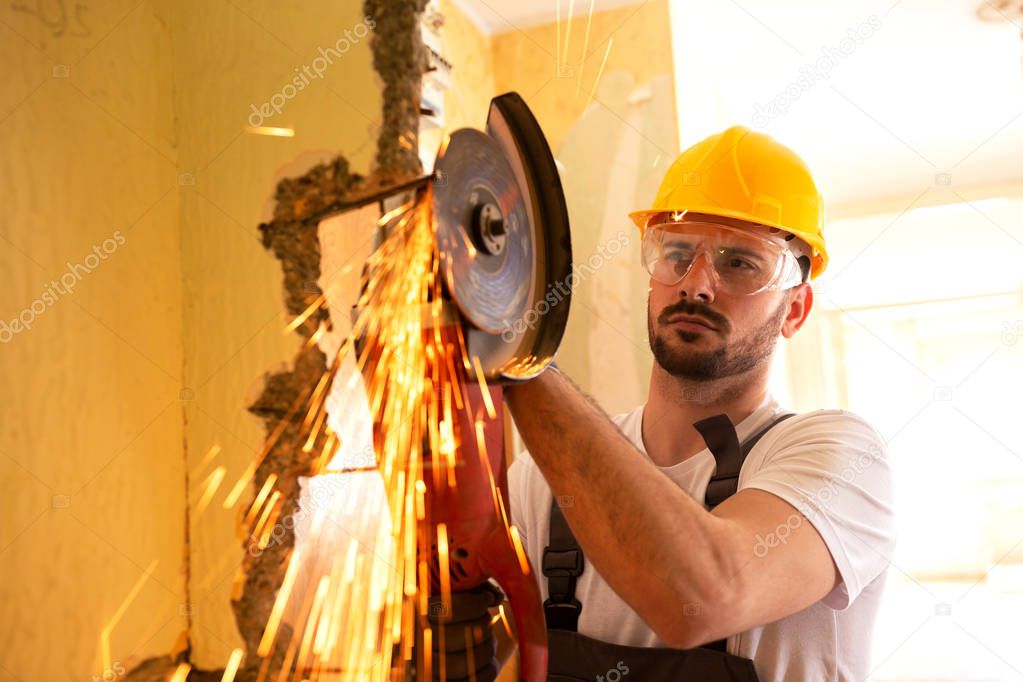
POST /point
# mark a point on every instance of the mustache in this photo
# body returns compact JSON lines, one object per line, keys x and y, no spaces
{"x":696,"y":310}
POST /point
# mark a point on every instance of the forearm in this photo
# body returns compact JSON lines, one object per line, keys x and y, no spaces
{"x":657,"y":548}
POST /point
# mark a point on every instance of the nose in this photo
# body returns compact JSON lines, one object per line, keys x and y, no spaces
{"x":701,"y":280}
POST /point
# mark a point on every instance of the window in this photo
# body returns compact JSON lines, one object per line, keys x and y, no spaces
{"x":918,"y":327}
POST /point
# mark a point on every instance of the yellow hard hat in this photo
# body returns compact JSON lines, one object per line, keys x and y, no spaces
{"x":745,"y":175}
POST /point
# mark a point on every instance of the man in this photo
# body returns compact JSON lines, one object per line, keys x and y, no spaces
{"x":657,"y":561}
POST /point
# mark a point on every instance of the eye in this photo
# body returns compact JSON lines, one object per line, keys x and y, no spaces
{"x":736,"y":261}
{"x":677,"y":256}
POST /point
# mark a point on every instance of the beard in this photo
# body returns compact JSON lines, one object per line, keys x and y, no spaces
{"x":671,"y":351}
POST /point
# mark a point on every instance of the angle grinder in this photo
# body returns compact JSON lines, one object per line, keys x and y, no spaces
{"x":503,"y":240}
{"x":504,"y":249}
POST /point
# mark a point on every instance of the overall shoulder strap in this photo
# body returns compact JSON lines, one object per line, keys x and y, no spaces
{"x":719,"y":434}
{"x":563,"y":563}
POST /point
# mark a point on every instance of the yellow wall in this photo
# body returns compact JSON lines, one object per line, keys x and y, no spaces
{"x":123,"y":385}
{"x":526,"y":59}
{"x":91,"y":459}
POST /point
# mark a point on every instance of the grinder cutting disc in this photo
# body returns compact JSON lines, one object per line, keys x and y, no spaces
{"x":503,"y":238}
{"x":483,"y":233}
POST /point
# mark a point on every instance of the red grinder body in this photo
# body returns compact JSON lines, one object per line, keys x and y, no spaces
{"x":474,"y":513}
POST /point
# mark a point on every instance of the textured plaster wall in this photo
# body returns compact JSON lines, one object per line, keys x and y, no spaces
{"x":293,"y":237}
{"x":124,"y":121}
{"x":92,"y":495}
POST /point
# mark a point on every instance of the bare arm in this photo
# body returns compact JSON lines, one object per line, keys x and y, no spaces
{"x":693,"y":576}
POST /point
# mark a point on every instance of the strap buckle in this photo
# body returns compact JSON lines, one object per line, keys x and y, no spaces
{"x":562,"y":563}
{"x":561,"y":567}
{"x":562,"y":615}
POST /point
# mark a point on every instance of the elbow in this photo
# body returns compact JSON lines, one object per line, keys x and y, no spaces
{"x":689,"y":630}
{"x":704,"y":618}
{"x":681,"y":636}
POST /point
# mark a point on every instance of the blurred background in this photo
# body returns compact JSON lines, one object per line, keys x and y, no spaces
{"x":141,"y":146}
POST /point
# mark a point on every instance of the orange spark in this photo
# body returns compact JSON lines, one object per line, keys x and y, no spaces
{"x":519,"y":552}
{"x":304,"y":315}
{"x":491,"y":412}
{"x":181,"y":674}
{"x":586,"y":46}
{"x":212,"y":483}
{"x":231,"y":669}
{"x":272,"y":623}
{"x":600,"y":72}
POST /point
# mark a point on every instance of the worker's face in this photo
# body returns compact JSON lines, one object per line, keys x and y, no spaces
{"x":724,"y":335}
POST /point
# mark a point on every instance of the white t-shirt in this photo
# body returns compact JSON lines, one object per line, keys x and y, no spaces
{"x":829,"y":464}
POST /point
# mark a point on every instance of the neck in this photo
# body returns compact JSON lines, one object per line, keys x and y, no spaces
{"x":673,"y":405}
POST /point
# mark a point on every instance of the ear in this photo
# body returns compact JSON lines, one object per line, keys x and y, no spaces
{"x":799,"y":305}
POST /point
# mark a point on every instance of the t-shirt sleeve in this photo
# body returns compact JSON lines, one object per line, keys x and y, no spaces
{"x":833,"y":467}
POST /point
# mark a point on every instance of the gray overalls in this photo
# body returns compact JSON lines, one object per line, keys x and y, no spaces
{"x":576,"y":657}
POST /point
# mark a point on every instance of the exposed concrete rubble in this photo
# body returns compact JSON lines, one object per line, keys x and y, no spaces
{"x":152,"y":670}
{"x":400,"y":58}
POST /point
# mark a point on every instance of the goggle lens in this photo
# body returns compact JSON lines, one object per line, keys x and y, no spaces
{"x":742,"y":262}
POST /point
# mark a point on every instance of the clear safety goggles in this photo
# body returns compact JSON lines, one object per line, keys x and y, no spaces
{"x":741,"y":260}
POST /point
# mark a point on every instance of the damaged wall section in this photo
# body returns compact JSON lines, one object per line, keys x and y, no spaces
{"x":301,"y":204}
